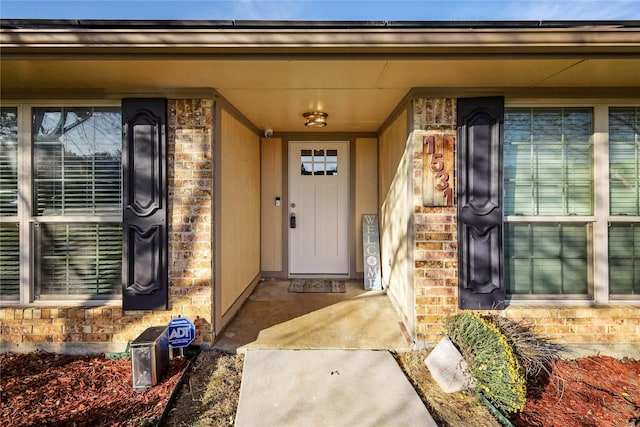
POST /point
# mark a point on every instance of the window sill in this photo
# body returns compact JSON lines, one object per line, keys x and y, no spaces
{"x":64,"y":303}
{"x":587,"y":302}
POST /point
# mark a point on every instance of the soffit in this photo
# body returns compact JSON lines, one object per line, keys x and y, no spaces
{"x":592,"y":72}
{"x":272,"y":76}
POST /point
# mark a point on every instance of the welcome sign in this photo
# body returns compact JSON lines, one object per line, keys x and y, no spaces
{"x":371,"y":252}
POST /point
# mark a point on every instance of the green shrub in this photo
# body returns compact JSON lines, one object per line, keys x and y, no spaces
{"x":498,"y":374}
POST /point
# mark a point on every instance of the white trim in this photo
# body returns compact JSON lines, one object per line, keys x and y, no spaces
{"x":61,"y":102}
{"x":88,"y":301}
{"x":583,"y":302}
{"x":44,"y":219}
{"x":547,"y":219}
{"x":344,"y":173}
{"x":569,"y":102}
{"x":601,"y":203}
{"x":623,"y":219}
{"x":24,"y":203}
{"x":586,"y":302}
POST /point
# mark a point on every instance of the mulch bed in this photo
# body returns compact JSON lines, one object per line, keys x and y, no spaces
{"x":594,"y":391}
{"x":43,"y":389}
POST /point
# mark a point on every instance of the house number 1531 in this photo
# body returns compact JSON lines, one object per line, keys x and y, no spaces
{"x":438,"y":170}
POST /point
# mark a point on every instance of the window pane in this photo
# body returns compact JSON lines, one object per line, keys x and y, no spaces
{"x":9,"y":261}
{"x":77,"y":161}
{"x":75,"y":259}
{"x":332,"y":162}
{"x":8,"y":161}
{"x":319,"y":162}
{"x":548,"y":161}
{"x":306,"y":162}
{"x":546,"y":259}
{"x":624,"y":158}
{"x":624,"y":259}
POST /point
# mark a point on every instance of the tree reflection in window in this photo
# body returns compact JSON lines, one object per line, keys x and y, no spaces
{"x":319,"y":162}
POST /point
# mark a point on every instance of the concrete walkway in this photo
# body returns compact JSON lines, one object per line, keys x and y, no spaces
{"x":317,"y":388}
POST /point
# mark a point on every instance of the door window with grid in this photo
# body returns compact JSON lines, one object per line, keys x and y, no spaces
{"x":319,"y":162}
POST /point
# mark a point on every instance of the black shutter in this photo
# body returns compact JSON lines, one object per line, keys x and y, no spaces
{"x":480,"y":135}
{"x":144,"y":252}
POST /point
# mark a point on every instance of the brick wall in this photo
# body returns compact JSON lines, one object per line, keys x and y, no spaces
{"x":435,"y":230}
{"x":436,"y":268}
{"x":190,"y":213}
{"x":190,"y":174}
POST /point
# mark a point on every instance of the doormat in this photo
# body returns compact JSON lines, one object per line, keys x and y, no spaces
{"x":317,"y":286}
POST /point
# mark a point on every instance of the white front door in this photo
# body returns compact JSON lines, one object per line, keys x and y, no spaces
{"x":318,"y":208}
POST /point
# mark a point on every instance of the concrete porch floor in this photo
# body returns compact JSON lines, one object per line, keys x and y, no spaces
{"x":273,"y":318}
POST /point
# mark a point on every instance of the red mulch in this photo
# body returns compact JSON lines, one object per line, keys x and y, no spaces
{"x":594,"y":391}
{"x":43,"y":389}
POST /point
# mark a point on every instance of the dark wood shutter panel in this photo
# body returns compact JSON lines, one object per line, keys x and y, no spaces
{"x":480,"y":246}
{"x":144,"y":269}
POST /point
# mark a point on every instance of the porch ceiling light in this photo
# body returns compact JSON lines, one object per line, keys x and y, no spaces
{"x":315,"y":119}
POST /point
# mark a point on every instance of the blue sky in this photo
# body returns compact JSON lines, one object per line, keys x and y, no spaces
{"x":388,"y":10}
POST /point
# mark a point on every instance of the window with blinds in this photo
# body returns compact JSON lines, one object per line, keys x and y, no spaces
{"x":8,"y":161}
{"x":624,"y":200}
{"x":546,"y":258}
{"x":78,"y":259}
{"x":76,"y":175}
{"x":9,"y":261}
{"x":624,"y":259}
{"x":60,"y":216}
{"x":9,"y":226}
{"x":548,"y":161}
{"x":76,"y":161}
{"x":548,"y":182}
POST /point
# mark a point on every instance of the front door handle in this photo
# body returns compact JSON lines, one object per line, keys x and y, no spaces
{"x":292,"y":220}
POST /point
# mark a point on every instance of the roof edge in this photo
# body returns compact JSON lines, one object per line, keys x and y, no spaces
{"x":284,"y":24}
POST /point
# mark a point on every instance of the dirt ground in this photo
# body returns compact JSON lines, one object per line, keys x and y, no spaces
{"x":48,"y":390}
{"x":210,"y":396}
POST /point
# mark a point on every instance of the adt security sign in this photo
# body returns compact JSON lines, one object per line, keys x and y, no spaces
{"x":181,"y":332}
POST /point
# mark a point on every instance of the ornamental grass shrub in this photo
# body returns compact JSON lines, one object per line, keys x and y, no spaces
{"x":536,"y":354}
{"x":498,"y":374}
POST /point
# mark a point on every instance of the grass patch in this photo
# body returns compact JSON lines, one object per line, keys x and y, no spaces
{"x":447,"y":410}
{"x":210,"y":395}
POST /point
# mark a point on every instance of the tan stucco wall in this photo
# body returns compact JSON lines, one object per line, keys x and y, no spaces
{"x":271,"y":230}
{"x":239,"y":208}
{"x":396,"y":215}
{"x":366,"y":188}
